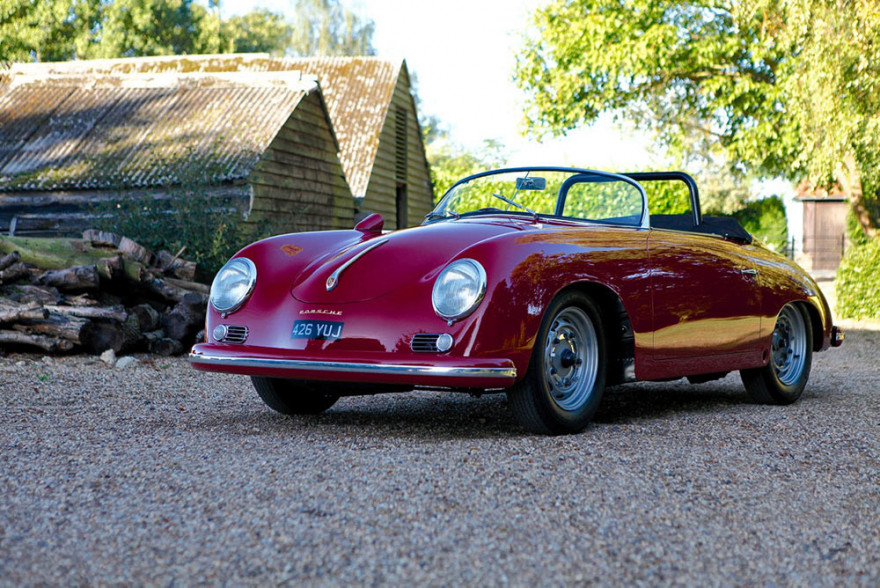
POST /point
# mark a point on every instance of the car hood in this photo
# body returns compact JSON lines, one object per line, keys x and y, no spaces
{"x":406,"y":259}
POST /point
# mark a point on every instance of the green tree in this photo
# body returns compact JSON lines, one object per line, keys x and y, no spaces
{"x":450,"y":162}
{"x":780,"y":87}
{"x":258,"y":31}
{"x":326,"y":27}
{"x":132,"y":28}
{"x":59,"y":30}
{"x":46,"y":30}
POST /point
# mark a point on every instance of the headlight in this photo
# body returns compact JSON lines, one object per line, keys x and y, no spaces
{"x":233,"y":285}
{"x":459,"y":289}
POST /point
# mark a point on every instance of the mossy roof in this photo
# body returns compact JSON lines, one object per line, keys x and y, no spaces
{"x":159,"y":120}
{"x":127,"y":123}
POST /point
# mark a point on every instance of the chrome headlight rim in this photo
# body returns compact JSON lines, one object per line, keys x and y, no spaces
{"x":251,"y":282}
{"x":475,"y":303}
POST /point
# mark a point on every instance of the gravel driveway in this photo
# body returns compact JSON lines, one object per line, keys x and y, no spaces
{"x":157,"y":474}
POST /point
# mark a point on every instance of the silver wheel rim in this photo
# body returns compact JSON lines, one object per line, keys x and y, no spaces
{"x":571,"y":358}
{"x":789,"y":346}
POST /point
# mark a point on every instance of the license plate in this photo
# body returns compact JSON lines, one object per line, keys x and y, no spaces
{"x":321,"y":330}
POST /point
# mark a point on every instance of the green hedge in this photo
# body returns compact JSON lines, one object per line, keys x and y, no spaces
{"x":765,"y":220}
{"x":210,"y":228}
{"x":858,"y":282}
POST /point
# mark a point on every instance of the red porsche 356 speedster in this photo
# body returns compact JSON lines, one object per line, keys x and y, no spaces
{"x":548,"y":284}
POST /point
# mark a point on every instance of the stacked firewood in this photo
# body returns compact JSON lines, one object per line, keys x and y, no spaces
{"x":102,"y":292}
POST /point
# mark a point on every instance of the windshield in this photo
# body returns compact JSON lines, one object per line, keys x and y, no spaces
{"x":576,"y":194}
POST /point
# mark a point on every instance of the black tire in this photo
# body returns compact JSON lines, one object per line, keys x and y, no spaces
{"x":293,"y":396}
{"x":566,"y":377}
{"x":783,"y":379}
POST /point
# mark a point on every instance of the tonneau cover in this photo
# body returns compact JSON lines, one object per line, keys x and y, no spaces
{"x":724,"y":226}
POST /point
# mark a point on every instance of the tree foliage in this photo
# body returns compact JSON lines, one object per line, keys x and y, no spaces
{"x":326,"y":27}
{"x":59,"y":30}
{"x":450,"y":162}
{"x":258,"y":31}
{"x":780,"y":87}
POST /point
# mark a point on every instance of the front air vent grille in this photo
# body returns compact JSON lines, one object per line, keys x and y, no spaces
{"x":236,"y":334}
{"x":425,"y":342}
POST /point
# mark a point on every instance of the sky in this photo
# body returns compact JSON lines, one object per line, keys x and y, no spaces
{"x":462,"y":53}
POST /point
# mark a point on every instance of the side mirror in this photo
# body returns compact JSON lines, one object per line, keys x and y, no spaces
{"x":373,"y":223}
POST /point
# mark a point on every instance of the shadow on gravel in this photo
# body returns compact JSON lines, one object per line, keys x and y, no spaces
{"x":433,"y":415}
{"x":441,"y":415}
{"x":653,"y":401}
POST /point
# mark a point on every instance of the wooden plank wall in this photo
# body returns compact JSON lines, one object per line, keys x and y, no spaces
{"x":382,"y":189}
{"x":298,"y":184}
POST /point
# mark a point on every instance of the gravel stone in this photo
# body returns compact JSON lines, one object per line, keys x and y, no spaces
{"x":162,"y":475}
{"x":109,"y":357}
{"x":126,"y":362}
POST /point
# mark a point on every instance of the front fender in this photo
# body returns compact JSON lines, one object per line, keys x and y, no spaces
{"x":526,"y":272}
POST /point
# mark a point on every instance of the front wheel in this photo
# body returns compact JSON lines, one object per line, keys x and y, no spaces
{"x":293,"y":396}
{"x":566,"y":376}
{"x":783,"y":379}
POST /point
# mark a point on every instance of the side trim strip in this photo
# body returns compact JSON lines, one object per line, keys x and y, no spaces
{"x":356,"y":368}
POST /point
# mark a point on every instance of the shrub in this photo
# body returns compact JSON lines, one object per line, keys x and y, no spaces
{"x":668,"y":197}
{"x":765,"y":220}
{"x":854,"y":231}
{"x":211,"y":228}
{"x":858,"y":282}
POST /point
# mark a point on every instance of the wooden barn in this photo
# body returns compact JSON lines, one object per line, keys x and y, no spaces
{"x":76,"y":133}
{"x":376,"y":121}
{"x":303,"y":143}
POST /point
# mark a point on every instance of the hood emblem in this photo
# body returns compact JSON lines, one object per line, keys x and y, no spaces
{"x":333,"y":280}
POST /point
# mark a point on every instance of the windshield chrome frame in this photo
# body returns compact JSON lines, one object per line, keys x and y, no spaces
{"x":644,"y":222}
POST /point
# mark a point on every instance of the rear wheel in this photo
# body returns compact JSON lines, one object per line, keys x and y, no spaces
{"x":293,"y":396}
{"x":783,"y":379}
{"x":566,"y":376}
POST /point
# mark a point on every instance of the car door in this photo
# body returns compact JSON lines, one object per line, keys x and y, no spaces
{"x":705,"y":300}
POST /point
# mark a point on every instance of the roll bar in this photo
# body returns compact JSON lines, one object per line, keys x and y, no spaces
{"x":673,"y":176}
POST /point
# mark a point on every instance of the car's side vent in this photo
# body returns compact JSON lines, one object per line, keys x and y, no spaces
{"x":235,"y":334}
{"x":425,"y":342}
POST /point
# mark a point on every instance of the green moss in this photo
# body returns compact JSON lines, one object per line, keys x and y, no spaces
{"x":50,"y":254}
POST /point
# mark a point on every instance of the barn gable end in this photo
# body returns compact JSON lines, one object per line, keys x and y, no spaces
{"x":381,"y":149}
{"x":400,"y":185}
{"x":299,"y":177}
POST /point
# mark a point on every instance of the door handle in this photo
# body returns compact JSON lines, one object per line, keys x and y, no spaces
{"x":750,"y":272}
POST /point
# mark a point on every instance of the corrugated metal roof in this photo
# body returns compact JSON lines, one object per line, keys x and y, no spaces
{"x":140,"y":122}
{"x":138,"y":115}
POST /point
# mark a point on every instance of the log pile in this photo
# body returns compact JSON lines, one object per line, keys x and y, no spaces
{"x":97,"y":293}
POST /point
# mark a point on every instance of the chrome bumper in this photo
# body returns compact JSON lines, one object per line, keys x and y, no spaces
{"x":353,"y":368}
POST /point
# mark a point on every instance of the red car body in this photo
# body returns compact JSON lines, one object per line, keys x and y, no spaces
{"x":673,"y":303}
